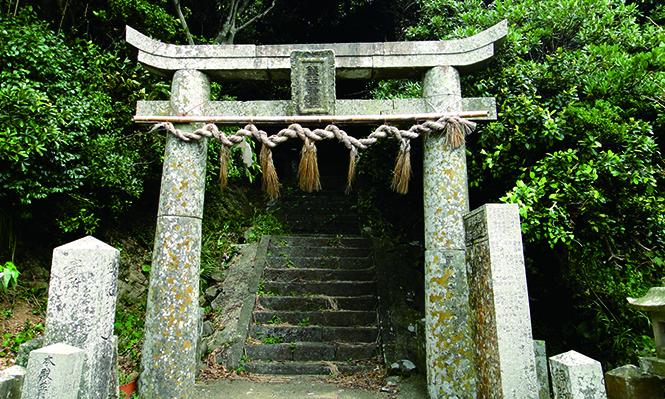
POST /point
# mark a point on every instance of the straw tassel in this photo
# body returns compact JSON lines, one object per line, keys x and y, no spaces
{"x":456,"y":131}
{"x":308,"y":170}
{"x":352,"y":169}
{"x":270,"y":182}
{"x":224,"y":157}
{"x":402,"y":172}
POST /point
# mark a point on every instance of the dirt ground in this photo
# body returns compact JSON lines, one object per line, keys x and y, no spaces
{"x":15,"y":316}
{"x":305,"y":387}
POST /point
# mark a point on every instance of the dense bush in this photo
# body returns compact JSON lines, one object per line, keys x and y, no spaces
{"x":579,"y":86}
{"x":67,"y":145}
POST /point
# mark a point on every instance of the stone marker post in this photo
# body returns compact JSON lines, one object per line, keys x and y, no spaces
{"x":81,"y":309}
{"x":448,"y":331}
{"x":168,"y":361}
{"x":575,"y":376}
{"x":500,"y":303}
{"x":54,"y":372}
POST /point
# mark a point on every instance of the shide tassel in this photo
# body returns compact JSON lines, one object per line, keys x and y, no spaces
{"x":270,"y":182}
{"x":402,"y":172}
{"x":352,"y":170}
{"x":308,"y":170}
{"x":224,"y":156}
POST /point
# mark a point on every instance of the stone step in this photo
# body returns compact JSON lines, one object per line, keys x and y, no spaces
{"x":303,"y":368}
{"x":318,"y":262}
{"x":281,"y":334}
{"x":339,"y":318}
{"x":314,"y":303}
{"x":321,"y":217}
{"x":332,"y":288}
{"x":311,"y":351}
{"x":327,"y":240}
{"x":327,"y":228}
{"x":286,"y":274}
{"x":333,"y":252}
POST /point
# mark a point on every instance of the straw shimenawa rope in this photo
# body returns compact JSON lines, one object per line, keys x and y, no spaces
{"x":455,"y":129}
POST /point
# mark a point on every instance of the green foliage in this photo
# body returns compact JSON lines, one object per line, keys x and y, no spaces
{"x":579,"y":87}
{"x":62,"y":137}
{"x":12,"y":342}
{"x":264,"y":224}
{"x":129,"y":322}
{"x":9,"y":275}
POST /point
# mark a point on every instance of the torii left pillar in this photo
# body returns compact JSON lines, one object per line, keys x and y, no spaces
{"x":168,"y":361}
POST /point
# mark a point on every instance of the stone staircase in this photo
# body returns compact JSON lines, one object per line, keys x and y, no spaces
{"x":316,"y":307}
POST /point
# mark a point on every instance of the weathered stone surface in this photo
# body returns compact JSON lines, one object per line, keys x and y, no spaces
{"x":449,"y":342}
{"x":168,"y":360}
{"x":354,"y":60}
{"x":342,"y":107}
{"x":653,"y":365}
{"x":575,"y":376}
{"x":54,"y":372}
{"x":235,"y":302}
{"x":313,"y":81}
{"x":448,"y":330}
{"x":171,"y":327}
{"x":500,"y":303}
{"x":81,"y":308}
{"x":445,"y":179}
{"x":629,"y":382}
{"x":183,"y":174}
{"x":540,"y":352}
{"x":11,"y":381}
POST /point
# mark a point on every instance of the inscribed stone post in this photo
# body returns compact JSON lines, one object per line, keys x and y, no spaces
{"x":54,"y":372}
{"x":500,"y":303}
{"x":575,"y":376}
{"x":448,"y":331}
{"x":81,"y":309}
{"x":168,"y":360}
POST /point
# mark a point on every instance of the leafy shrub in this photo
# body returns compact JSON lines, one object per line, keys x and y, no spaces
{"x":62,"y":137}
{"x":579,"y":87}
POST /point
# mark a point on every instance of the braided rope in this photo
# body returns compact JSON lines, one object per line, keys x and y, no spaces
{"x":445,"y":124}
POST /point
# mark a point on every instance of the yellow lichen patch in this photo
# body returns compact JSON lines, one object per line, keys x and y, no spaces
{"x":434,"y":298}
{"x":187,"y":344}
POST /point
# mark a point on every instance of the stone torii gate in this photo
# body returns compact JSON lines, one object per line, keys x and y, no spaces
{"x":169,"y":352}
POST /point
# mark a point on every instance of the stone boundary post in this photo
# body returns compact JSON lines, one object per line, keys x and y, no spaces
{"x":54,"y":372}
{"x":500,"y":303}
{"x":82,"y":297}
{"x":168,"y":361}
{"x":448,"y":330}
{"x":575,"y":376}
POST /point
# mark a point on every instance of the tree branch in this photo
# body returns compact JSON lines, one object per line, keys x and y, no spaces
{"x":183,"y":22}
{"x":257,"y":16}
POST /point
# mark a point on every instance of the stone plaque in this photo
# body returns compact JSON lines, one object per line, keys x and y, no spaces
{"x":313,"y":81}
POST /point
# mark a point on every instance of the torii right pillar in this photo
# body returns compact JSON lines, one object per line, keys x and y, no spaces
{"x":448,"y":330}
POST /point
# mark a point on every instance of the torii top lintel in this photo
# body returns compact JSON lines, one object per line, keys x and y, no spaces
{"x":352,"y":60}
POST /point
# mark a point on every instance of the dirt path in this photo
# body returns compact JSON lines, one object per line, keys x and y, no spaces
{"x":301,"y":387}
